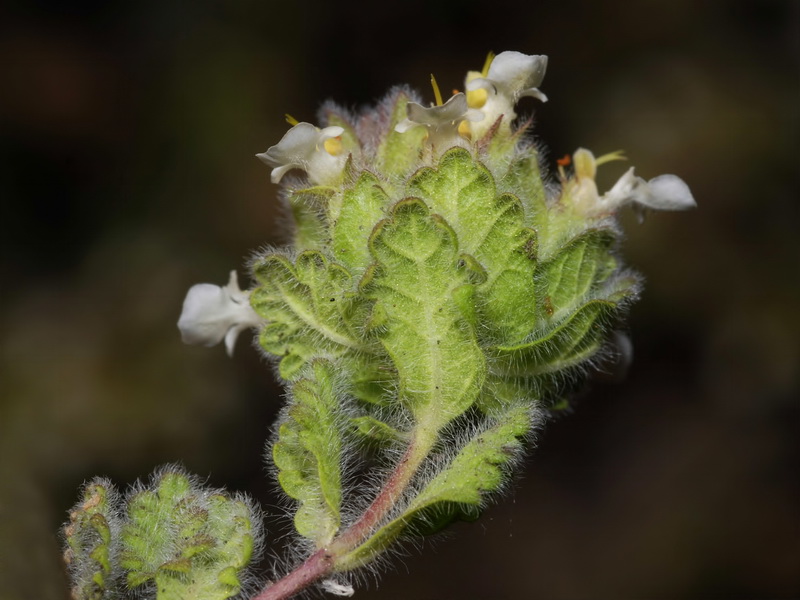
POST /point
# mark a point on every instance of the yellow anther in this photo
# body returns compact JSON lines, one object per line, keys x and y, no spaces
{"x":436,"y":93}
{"x":476,"y":98}
{"x":464,"y":130}
{"x":333,"y":146}
{"x":487,"y":64}
{"x":585,"y":164}
{"x":611,"y":156}
{"x":291,"y":120}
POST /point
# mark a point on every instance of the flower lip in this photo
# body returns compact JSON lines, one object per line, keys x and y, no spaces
{"x":453,"y":111}
{"x":212,"y":313}
{"x":442,"y":122}
{"x":513,"y":75}
{"x":303,"y":147}
{"x":665,"y":192}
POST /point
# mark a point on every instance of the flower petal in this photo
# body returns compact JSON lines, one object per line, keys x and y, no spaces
{"x":665,"y":192}
{"x":212,"y":313}
{"x":303,"y":147}
{"x":515,"y":72}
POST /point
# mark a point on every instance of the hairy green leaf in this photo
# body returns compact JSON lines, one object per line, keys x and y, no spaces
{"x":91,"y":542}
{"x":188,"y":542}
{"x":308,"y":453}
{"x":570,"y":278}
{"x":308,"y":208}
{"x":361,"y":207}
{"x":377,"y":432}
{"x":524,"y":180}
{"x":570,"y":342}
{"x":308,"y":307}
{"x":459,"y":490}
{"x":490,"y":228}
{"x":431,"y":344}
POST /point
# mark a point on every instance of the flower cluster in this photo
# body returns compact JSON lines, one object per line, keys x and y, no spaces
{"x":485,"y":112}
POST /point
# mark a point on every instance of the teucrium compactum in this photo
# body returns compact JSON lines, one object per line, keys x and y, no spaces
{"x":441,"y":296}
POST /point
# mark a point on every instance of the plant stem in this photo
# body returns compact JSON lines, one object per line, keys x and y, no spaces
{"x":323,"y":561}
{"x":315,"y":567}
{"x":383,"y":503}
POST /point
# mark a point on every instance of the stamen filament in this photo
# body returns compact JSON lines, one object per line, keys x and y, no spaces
{"x":436,"y":93}
{"x":487,"y":64}
{"x":610,"y":157}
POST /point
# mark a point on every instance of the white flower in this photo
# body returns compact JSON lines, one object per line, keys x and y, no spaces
{"x":306,"y":147}
{"x":665,"y":192}
{"x":442,"y":121}
{"x":509,"y":77}
{"x":212,"y":313}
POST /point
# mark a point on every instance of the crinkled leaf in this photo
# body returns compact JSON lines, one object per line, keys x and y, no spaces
{"x":91,"y":544}
{"x":308,"y":208}
{"x":570,"y":278}
{"x":432,"y":346}
{"x":361,"y":207}
{"x":459,"y":490}
{"x":574,"y":339}
{"x":308,"y":453}
{"x":376,"y":432}
{"x":308,"y":307}
{"x":184,"y":538}
{"x":490,"y":228}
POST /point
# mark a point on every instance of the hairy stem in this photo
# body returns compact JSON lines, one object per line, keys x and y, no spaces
{"x":323,"y":561}
{"x":317,"y":566}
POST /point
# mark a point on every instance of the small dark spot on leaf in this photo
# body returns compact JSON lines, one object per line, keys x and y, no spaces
{"x":548,"y":306}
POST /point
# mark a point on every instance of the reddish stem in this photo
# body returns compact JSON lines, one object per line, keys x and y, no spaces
{"x":315,"y":567}
{"x":323,"y":561}
{"x":383,"y":503}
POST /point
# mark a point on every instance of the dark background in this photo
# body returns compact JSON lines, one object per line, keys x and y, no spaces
{"x":127,"y":174}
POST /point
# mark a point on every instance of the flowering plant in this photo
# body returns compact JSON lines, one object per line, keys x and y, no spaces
{"x":441,"y":297}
